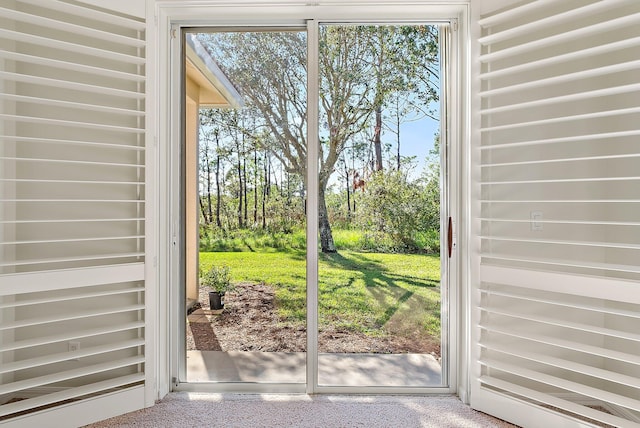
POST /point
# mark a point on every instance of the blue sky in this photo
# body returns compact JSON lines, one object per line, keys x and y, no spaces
{"x":417,"y":138}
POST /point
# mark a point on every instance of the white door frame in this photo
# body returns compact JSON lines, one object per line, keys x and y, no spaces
{"x":164,"y":39}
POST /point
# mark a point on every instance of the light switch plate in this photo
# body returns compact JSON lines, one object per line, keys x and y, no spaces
{"x":536,"y":221}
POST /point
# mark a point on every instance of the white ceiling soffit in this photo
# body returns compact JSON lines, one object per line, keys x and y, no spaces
{"x":201,"y":59}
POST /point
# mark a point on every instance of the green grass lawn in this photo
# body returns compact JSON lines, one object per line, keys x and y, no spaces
{"x":373,"y":293}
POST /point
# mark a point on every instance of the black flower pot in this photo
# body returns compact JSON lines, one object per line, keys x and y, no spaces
{"x":215,"y":300}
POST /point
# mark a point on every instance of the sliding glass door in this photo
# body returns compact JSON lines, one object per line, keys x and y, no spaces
{"x":380,"y":294}
{"x":317,"y":200}
{"x":246,"y":317}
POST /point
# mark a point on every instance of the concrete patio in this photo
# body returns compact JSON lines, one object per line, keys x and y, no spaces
{"x":415,"y":370}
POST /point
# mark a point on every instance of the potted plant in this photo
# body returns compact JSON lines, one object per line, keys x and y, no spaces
{"x":219,"y":279}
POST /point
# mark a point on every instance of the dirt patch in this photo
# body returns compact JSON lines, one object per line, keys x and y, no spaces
{"x":250,"y":322}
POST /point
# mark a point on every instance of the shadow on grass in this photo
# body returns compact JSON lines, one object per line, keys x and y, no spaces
{"x":337,"y":260}
{"x":374,"y":272}
{"x":389,"y":289}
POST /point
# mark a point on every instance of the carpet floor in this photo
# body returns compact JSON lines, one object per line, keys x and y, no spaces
{"x":188,"y":409}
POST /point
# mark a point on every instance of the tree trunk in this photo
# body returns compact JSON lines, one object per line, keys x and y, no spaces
{"x":264,"y":208}
{"x":264,"y":194}
{"x":218,"y":192}
{"x":377,"y":132}
{"x":239,"y":168}
{"x":348,"y":187}
{"x":208,"y":178}
{"x":244,"y":174}
{"x":203,"y":211}
{"x":377,"y":143}
{"x":326,"y":237}
{"x":255,"y":185}
{"x":288,"y":188}
{"x":269,"y":176}
{"x":398,"y":135}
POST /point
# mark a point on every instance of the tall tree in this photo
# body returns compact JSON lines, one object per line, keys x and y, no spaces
{"x":346,"y":101}
{"x":269,"y":68}
{"x":205,"y":177}
{"x":216,"y":125}
{"x":218,"y":189}
{"x":406,"y":70}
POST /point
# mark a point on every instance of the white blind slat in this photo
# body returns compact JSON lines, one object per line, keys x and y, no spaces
{"x":513,"y":12}
{"x":564,"y":384}
{"x":75,"y":220}
{"x":66,"y":84}
{"x":561,"y":221}
{"x":564,"y":364}
{"x":549,"y":20}
{"x":533,"y":395}
{"x":64,"y":337}
{"x":576,"y":159}
{"x":81,"y":12}
{"x":560,"y":119}
{"x":83,"y":258}
{"x":563,"y":78}
{"x":562,"y":180}
{"x":69,"y":161}
{"x":563,"y":323}
{"x":70,"y":316}
{"x":69,"y":394}
{"x":86,"y":182}
{"x":558,"y":201}
{"x":74,"y":105}
{"x":573,"y":139}
{"x":68,"y":297}
{"x":69,"y":374}
{"x":39,"y":140}
{"x":558,"y":59}
{"x":536,"y":261}
{"x":76,"y":29}
{"x":551,"y":99}
{"x":569,"y":345}
{"x":77,"y":200}
{"x":566,"y":36}
{"x":598,"y":287}
{"x":65,"y":65}
{"x":562,"y":303}
{"x":58,"y":241}
{"x":32,"y":282}
{"x":65,"y":356}
{"x":71,"y":47}
{"x":563,"y":242}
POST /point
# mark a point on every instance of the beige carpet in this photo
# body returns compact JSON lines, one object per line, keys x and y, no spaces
{"x":185,"y":409}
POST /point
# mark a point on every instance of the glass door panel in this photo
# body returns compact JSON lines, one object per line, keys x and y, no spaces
{"x":379,"y":268}
{"x":246,"y":94}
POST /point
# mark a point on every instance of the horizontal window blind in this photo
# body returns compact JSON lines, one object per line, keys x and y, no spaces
{"x":72,"y":195}
{"x":559,"y":208}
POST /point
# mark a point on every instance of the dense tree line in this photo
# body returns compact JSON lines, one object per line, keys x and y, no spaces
{"x":253,"y":161}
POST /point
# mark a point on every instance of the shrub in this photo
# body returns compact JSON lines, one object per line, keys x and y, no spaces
{"x":394,"y":212}
{"x":218,"y":278}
